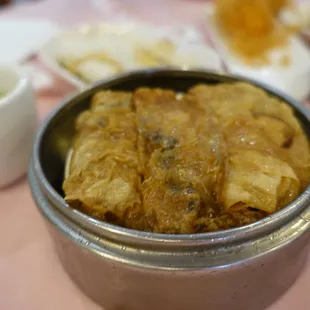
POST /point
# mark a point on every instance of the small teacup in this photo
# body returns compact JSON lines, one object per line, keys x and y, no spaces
{"x":18,"y":123}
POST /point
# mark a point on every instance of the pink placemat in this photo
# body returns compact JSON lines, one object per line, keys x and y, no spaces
{"x":31,"y":277}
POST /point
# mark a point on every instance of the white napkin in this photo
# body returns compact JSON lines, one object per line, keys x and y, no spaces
{"x":22,"y":37}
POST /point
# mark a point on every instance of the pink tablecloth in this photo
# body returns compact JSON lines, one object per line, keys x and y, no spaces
{"x":31,"y":277}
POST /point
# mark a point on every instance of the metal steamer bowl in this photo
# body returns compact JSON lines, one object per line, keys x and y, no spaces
{"x":122,"y":269}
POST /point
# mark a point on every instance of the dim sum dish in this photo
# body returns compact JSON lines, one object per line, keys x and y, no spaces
{"x":176,"y":190}
{"x":215,"y":158}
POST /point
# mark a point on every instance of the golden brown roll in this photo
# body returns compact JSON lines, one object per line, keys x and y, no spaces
{"x":104,"y":180}
{"x":262,"y":136}
{"x":184,"y":159}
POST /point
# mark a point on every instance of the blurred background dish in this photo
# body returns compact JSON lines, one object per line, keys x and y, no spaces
{"x":92,"y":52}
{"x":255,"y":44}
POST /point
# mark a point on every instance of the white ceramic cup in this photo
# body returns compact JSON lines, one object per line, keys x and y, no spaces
{"x":18,"y":123}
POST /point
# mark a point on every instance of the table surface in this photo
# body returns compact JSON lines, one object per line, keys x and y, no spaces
{"x":31,"y":277}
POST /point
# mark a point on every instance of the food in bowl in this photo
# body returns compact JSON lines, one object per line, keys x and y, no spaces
{"x":217,"y":157}
{"x":2,"y":94}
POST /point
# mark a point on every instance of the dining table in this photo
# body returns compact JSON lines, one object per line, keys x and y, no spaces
{"x":31,"y":276}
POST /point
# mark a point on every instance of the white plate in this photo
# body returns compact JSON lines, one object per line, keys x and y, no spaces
{"x":21,"y":37}
{"x":293,"y":79}
{"x":120,"y":40}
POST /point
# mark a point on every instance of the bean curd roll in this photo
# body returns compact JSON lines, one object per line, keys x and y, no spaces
{"x":104,"y":180}
{"x":262,"y":137}
{"x":184,"y":159}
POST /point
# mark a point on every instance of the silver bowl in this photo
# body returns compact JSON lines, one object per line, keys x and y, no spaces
{"x":243,"y":268}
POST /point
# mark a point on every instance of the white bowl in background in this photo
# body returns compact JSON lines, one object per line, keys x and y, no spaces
{"x":18,"y":123}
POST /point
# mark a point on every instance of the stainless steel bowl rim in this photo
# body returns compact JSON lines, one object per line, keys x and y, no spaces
{"x":254,"y":230}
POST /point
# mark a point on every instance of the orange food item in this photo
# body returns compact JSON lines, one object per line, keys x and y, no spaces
{"x":250,"y":28}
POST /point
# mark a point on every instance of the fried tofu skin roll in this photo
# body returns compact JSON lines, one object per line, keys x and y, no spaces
{"x":183,"y":157}
{"x":104,"y":180}
{"x":264,"y":170}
